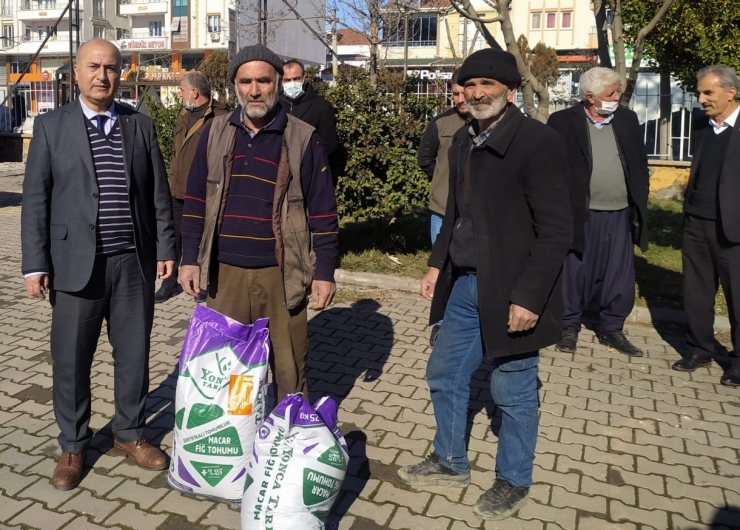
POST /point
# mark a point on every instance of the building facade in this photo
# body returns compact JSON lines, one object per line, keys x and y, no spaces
{"x":159,"y":40}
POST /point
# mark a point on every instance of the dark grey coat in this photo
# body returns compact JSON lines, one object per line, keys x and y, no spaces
{"x":522,"y":223}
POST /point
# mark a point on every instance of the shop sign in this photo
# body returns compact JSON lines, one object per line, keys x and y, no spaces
{"x":428,"y":74}
{"x":143,"y":44}
{"x":162,"y":76}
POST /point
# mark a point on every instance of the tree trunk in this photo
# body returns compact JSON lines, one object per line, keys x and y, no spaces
{"x":374,"y":40}
{"x":665,"y":143}
{"x":530,"y":84}
{"x":618,"y":40}
{"x":602,"y":36}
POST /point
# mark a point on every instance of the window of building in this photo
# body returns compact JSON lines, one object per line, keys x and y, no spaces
{"x":98,"y":32}
{"x":214,"y":23}
{"x":565,"y":20}
{"x":422,"y":31}
{"x":536,"y":21}
{"x":122,"y":33}
{"x":98,"y":8}
{"x":550,"y":20}
{"x":155,"y":28}
{"x":466,"y":32}
{"x":180,"y":8}
{"x":8,"y":36}
{"x":7,"y":9}
{"x":51,"y":30}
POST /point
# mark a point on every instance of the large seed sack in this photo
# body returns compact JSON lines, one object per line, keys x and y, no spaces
{"x":297,"y":467}
{"x":219,"y":403}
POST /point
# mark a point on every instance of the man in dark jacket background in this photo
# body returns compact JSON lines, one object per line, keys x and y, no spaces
{"x":494,"y":272}
{"x":301,"y":100}
{"x":609,"y":185}
{"x":199,"y":109}
{"x":433,"y":148}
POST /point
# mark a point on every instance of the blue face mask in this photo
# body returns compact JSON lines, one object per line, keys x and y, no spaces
{"x":293,"y":89}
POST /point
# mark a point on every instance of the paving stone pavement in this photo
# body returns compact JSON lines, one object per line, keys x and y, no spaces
{"x":624,"y":443}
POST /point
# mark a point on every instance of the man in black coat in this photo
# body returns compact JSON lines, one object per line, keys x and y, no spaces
{"x":301,"y":100}
{"x":711,"y":238}
{"x":96,"y":231}
{"x":609,"y":183}
{"x":494,"y":274}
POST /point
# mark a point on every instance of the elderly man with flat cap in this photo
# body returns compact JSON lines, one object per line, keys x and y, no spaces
{"x":259,"y":229}
{"x":494,"y":275}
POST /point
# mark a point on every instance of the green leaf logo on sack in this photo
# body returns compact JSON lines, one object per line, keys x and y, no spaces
{"x":210,"y":371}
{"x":333,"y":457}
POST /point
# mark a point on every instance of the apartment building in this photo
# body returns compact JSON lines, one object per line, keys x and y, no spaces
{"x":159,"y":40}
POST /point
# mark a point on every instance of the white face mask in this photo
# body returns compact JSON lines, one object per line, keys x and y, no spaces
{"x":293,"y":89}
{"x":607,"y":107}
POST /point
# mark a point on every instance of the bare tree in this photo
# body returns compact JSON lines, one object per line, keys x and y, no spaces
{"x":535,"y":94}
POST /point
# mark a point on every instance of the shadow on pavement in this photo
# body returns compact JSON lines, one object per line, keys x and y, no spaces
{"x":349,"y":344}
{"x":10,"y":199}
{"x":726,"y":517}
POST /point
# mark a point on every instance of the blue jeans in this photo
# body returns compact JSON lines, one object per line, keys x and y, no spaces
{"x":435,"y":225}
{"x":456,"y":355}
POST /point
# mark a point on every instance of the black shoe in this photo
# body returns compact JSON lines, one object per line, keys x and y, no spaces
{"x":691,"y":362}
{"x":433,"y":334}
{"x":569,"y":342}
{"x":731,"y":378}
{"x":431,"y":472}
{"x":501,"y":501}
{"x":617,"y":340}
{"x":202,"y":297}
{"x":166,"y":291}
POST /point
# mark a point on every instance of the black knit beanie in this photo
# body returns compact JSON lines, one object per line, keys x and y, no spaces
{"x":491,"y":64}
{"x":255,"y":52}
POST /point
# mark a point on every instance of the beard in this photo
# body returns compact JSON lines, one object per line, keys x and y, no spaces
{"x":269,"y":101}
{"x":487,"y":108}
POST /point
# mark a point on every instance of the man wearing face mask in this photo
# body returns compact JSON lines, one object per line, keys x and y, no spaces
{"x":199,"y":108}
{"x":301,"y":100}
{"x":609,"y":183}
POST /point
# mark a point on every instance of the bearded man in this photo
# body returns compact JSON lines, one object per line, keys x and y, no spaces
{"x":494,"y":275}
{"x":259,"y":229}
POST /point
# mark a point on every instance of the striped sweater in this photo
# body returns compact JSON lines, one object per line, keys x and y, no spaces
{"x":246,"y":238}
{"x":115,"y":229}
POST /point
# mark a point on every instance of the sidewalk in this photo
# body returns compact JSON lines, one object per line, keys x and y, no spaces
{"x":624,"y":443}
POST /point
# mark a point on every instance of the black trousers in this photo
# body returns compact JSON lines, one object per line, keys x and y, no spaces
{"x":708,"y":261}
{"x":177,"y":205}
{"x":602,"y":279}
{"x":118,"y":294}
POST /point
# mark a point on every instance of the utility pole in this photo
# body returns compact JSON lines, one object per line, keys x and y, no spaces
{"x":74,"y":44}
{"x":334,"y":45}
{"x":405,"y":41}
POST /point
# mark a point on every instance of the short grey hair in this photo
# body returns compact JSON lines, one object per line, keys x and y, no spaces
{"x":727,"y":76}
{"x":595,"y":81}
{"x":199,"y":82}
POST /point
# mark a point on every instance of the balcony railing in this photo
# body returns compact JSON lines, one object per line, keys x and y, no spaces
{"x":40,"y":6}
{"x":140,"y":1}
{"x":98,"y":12}
{"x":6,"y":11}
{"x":146,"y":34}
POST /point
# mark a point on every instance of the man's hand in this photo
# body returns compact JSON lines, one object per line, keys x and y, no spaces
{"x":37,"y":285}
{"x":165,"y":269}
{"x":322,"y":293}
{"x":189,"y":276}
{"x":521,"y":319}
{"x":428,"y":282}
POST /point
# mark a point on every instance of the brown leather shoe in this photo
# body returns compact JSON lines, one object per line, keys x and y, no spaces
{"x":144,"y":454}
{"x":68,"y":472}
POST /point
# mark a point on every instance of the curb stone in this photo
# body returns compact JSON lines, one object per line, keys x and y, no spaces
{"x":639,"y":315}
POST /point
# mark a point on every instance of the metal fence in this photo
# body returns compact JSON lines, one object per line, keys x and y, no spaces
{"x":27,"y":99}
{"x":666,"y":122}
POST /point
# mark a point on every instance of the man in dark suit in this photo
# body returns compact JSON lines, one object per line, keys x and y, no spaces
{"x":711,"y":237}
{"x":96,"y":230}
{"x":609,"y":182}
{"x":494,"y":274}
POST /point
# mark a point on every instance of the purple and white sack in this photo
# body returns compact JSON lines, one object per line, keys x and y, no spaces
{"x":297,"y":467}
{"x":219,"y":403}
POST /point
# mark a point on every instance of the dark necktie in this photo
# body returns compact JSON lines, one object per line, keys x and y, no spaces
{"x":101,"y":119}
